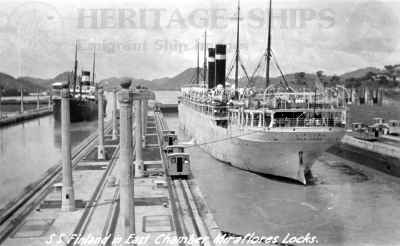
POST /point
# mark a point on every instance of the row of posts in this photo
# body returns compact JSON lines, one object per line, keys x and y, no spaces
{"x":22,"y":102}
{"x":365,"y":95}
{"x":126,"y":98}
{"x":37,"y":101}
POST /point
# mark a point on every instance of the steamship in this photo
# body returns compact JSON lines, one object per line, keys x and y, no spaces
{"x":83,"y":96}
{"x":276,"y":130}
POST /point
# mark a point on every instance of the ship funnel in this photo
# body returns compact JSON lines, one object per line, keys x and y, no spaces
{"x":86,"y":77}
{"x":211,"y":68}
{"x":220,"y":64}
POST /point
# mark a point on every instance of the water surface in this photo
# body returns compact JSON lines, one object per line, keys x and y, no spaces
{"x":349,"y":204}
{"x":28,"y":149}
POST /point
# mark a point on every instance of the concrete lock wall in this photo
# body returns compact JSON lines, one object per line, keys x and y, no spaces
{"x":373,"y":146}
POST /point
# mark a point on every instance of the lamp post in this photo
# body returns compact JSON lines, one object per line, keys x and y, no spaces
{"x":68,"y":198}
{"x":125,"y":161}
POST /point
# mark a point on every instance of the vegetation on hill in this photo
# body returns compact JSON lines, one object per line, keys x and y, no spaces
{"x":168,"y":83}
{"x":11,"y":86}
{"x":388,"y":77}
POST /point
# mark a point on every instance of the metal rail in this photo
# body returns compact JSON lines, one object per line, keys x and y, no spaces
{"x":91,"y":206}
{"x":112,"y":219}
{"x":25,"y":116}
{"x":188,"y":221}
{"x":113,"y":213}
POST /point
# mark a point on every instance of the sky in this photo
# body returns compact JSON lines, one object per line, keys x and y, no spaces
{"x":157,"y":38}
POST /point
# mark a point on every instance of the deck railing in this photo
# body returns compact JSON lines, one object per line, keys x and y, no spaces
{"x":260,"y":117}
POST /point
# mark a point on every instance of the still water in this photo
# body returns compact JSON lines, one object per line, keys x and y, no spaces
{"x":350,"y":204}
{"x":28,"y":149}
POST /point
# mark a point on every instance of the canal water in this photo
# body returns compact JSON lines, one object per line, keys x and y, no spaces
{"x":28,"y":149}
{"x":349,"y":204}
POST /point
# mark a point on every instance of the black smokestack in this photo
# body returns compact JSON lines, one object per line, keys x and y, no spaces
{"x":220,"y":64}
{"x":211,"y":68}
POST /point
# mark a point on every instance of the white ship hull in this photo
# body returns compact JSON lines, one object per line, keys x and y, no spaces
{"x":284,"y":152}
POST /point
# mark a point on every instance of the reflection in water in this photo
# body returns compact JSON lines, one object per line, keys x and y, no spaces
{"x":78,"y":130}
{"x":28,"y":149}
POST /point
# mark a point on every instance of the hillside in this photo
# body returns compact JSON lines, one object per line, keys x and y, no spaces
{"x":166,"y":83}
{"x":10,"y":86}
{"x":189,"y":75}
{"x":359,"y":73}
{"x":46,"y":83}
{"x":307,"y":81}
{"x":112,"y":83}
{"x":294,"y":80}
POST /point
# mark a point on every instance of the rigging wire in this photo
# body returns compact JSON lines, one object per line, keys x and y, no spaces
{"x":282,"y":74}
{"x":262,"y":58}
{"x":231,"y":66}
{"x":244,"y":69}
{"x":193,"y":78}
{"x":258,"y":66}
{"x":279,"y":69}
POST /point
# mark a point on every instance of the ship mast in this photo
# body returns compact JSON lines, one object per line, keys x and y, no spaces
{"x":198,"y":64}
{"x":94,"y":65}
{"x":269,"y":46}
{"x":75,"y":66}
{"x":237,"y":54}
{"x":205,"y":58}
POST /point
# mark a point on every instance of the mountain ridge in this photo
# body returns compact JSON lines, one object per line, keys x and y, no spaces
{"x":11,"y":85}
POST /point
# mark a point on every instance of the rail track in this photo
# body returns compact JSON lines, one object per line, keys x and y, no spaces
{"x":91,"y":206}
{"x":188,"y":222}
{"x":111,"y":218}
